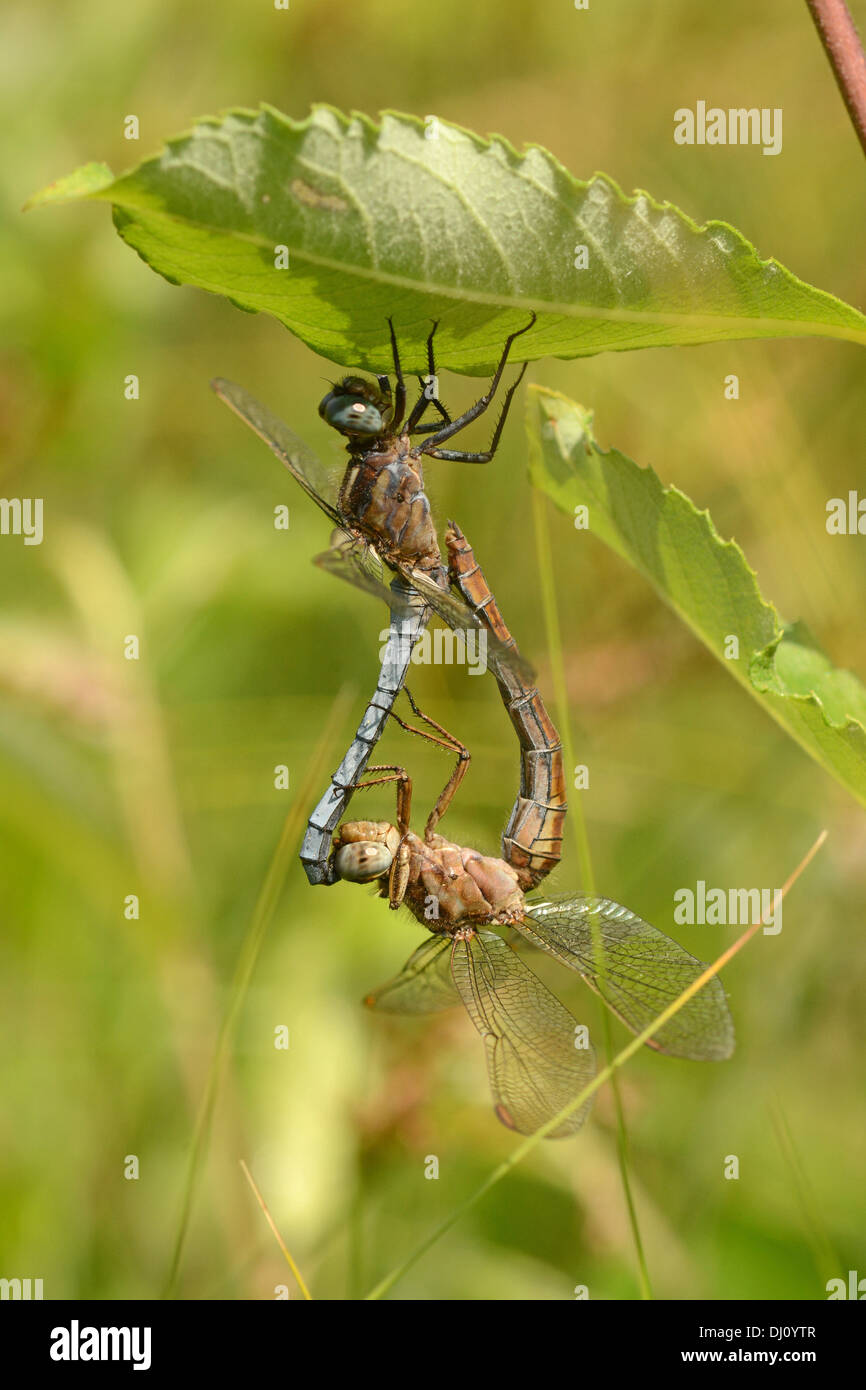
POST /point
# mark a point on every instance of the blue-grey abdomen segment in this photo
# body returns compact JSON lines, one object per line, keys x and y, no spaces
{"x":408,"y":620}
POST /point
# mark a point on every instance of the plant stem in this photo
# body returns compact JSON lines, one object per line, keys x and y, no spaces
{"x":842,"y":46}
{"x":581,"y":836}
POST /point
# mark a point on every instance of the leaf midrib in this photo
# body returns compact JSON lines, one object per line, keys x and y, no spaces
{"x":464,"y":293}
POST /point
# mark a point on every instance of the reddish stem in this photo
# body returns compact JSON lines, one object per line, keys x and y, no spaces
{"x":842,"y":46}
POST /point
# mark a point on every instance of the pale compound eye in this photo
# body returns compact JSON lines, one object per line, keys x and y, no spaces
{"x":351,"y":414}
{"x":362,"y":861}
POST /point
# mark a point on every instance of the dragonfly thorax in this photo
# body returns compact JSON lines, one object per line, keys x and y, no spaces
{"x":447,"y":887}
{"x":383,"y":491}
{"x":451,"y":887}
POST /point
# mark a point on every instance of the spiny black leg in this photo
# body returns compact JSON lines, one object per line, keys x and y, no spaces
{"x":481,"y":404}
{"x":425,"y":399}
{"x":433,"y":424}
{"x":424,"y":402}
{"x":461,"y":455}
{"x":420,"y":407}
{"x":400,"y":393}
{"x":444,"y":417}
{"x":431,"y":363}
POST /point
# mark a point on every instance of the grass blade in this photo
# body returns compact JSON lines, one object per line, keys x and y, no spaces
{"x":247,"y":958}
{"x":280,"y":1242}
{"x":577,"y":822}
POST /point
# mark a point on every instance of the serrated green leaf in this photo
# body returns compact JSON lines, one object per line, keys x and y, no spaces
{"x":705,"y":580}
{"x":383,"y":220}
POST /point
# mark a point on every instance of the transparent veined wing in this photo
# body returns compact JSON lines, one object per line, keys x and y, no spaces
{"x":460,"y":618}
{"x":356,"y":562}
{"x":300,"y":460}
{"x":535,"y":1062}
{"x":638,"y":973}
{"x":353,"y":560}
{"x":423,"y":986}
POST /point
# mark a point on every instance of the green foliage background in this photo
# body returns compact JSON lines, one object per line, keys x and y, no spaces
{"x":157,"y":777}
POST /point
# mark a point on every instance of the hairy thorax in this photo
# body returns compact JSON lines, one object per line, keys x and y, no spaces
{"x":384,"y":494}
{"x":451,"y":886}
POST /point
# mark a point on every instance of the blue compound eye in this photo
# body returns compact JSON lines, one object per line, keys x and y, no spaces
{"x":351,"y":414}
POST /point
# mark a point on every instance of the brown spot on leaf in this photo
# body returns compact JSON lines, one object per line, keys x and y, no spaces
{"x":312,"y":198}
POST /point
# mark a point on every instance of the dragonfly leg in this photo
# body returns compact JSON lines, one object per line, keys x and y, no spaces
{"x":398,"y":875}
{"x":430,"y":400}
{"x":425,"y":399}
{"x":384,"y":383}
{"x":398,"y":878}
{"x":454,"y":426}
{"x":445,"y":740}
{"x":400,"y":391}
{"x":485,"y":455}
{"x":432,"y":424}
{"x":445,"y":796}
{"x":399,"y":775}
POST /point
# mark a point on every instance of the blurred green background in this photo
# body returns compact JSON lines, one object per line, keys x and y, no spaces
{"x":156,"y":777}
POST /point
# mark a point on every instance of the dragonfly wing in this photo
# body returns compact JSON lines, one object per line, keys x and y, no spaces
{"x":354,"y":560}
{"x":534,"y":1062}
{"x":638,"y":972}
{"x":358,"y":564}
{"x":423,"y":986}
{"x":460,"y":618}
{"x":289,"y":449}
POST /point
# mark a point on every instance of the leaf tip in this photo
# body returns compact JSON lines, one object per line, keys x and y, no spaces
{"x":86,"y":182}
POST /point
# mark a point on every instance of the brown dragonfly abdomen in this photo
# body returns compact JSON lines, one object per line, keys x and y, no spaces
{"x":532,"y":841}
{"x":384,"y":495}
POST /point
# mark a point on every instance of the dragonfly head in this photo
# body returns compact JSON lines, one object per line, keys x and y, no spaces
{"x":355,"y":407}
{"x":364,"y":850}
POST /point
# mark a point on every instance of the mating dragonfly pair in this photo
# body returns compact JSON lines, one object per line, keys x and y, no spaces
{"x":538,"y":1056}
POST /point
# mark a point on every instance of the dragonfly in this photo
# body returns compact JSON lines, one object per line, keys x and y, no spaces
{"x":383,"y":522}
{"x":539,"y":1058}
